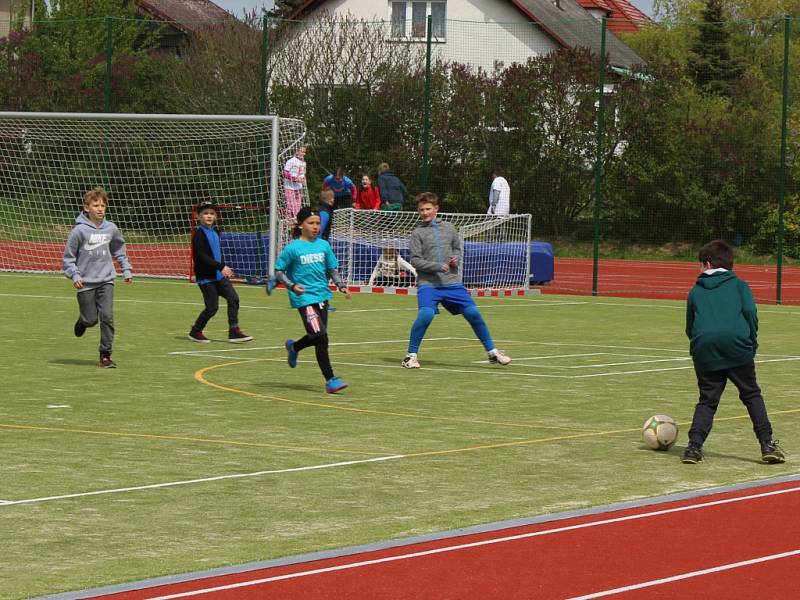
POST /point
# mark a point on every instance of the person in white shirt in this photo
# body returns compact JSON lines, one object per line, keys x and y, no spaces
{"x":499,"y":196}
{"x":294,"y":178}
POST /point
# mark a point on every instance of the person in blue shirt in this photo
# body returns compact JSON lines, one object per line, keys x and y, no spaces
{"x":304,"y":267}
{"x":325,"y":208}
{"x":344,"y":190}
{"x":213,"y":276}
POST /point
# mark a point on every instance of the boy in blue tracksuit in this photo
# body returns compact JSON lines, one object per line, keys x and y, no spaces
{"x":213,"y":276}
{"x":437,"y":255}
{"x":88,"y":263}
{"x":722,"y":324}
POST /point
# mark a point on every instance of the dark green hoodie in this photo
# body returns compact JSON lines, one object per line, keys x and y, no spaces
{"x":721,"y":322}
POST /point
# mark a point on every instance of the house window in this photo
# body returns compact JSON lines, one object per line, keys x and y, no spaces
{"x":409,"y":19}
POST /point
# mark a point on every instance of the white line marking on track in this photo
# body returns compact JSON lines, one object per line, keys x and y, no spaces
{"x":477,"y":544}
{"x":203,"y":480}
{"x":718,"y":569}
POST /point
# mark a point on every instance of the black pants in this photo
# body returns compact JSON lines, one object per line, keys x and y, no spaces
{"x":711,"y":385}
{"x":211,"y":293}
{"x":315,"y":320}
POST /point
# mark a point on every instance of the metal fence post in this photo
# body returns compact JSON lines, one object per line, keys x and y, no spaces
{"x":598,"y":165}
{"x":787,"y":32}
{"x":109,"y":63}
{"x":426,"y":119}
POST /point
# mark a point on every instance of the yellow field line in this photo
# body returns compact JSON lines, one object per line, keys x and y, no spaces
{"x":200,"y":377}
{"x":568,"y":437}
{"x":181,"y":438}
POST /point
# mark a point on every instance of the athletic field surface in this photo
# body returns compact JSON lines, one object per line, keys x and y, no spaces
{"x":215,"y":470}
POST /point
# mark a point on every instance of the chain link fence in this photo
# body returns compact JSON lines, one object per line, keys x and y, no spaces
{"x":644,"y":146}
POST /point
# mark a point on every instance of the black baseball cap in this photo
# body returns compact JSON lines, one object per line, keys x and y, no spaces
{"x":206,"y":204}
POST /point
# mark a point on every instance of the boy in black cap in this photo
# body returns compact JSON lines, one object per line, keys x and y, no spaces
{"x":213,"y":276}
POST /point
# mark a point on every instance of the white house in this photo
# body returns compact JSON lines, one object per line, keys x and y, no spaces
{"x":9,"y":10}
{"x":488,"y":33}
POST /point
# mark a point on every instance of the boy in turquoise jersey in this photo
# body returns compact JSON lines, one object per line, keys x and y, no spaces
{"x":304,"y":267}
{"x":722,"y":324}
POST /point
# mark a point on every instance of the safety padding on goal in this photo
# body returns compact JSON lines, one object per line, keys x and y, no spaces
{"x":412,"y":291}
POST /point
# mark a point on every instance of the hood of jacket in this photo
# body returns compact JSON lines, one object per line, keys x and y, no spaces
{"x":714,"y":280}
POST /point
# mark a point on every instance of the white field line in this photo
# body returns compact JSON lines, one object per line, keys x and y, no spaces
{"x":689,"y":575}
{"x":280,"y":347}
{"x":486,"y":542}
{"x":512,"y":372}
{"x":203,"y":480}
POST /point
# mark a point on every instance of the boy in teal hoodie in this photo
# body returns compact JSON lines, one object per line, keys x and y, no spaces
{"x":722,"y":324}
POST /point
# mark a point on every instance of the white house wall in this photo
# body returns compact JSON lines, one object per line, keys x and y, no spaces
{"x":480,"y":33}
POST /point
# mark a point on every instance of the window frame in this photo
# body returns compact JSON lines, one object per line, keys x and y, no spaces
{"x":408,"y":30}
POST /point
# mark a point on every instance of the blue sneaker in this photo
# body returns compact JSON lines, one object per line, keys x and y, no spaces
{"x":271,"y":283}
{"x":334,"y":384}
{"x":291,"y":355}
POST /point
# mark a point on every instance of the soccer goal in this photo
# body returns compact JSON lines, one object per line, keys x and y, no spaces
{"x":155,"y":169}
{"x":372,"y":248}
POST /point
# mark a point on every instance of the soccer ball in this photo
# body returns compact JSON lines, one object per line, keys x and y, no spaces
{"x":660,"y":432}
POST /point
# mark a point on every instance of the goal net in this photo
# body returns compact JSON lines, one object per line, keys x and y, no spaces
{"x":156,"y":168}
{"x":372,"y":248}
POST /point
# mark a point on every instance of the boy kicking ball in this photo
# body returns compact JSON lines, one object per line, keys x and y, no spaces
{"x":722,"y":324}
{"x":437,"y":255}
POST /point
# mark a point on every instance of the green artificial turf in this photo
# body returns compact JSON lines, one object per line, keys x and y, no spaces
{"x":231,"y":436}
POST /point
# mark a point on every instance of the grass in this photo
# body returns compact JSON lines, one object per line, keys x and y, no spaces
{"x":558,"y":429}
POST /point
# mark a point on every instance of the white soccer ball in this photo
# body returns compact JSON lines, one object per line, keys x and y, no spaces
{"x":660,"y":432}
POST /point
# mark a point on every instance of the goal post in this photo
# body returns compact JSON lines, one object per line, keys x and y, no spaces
{"x":156,"y":168}
{"x":372,"y":247}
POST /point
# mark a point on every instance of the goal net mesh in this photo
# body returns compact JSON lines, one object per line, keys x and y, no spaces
{"x":155,"y":169}
{"x":368,"y":244}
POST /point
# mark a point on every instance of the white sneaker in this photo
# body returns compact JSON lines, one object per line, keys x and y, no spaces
{"x":410,"y":362}
{"x":499,"y":358}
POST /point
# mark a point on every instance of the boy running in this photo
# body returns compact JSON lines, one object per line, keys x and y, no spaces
{"x":437,"y":255}
{"x":213,"y":276}
{"x":304,"y":267}
{"x":88,"y":263}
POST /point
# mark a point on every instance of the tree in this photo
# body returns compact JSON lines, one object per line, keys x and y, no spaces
{"x":64,"y":56}
{"x":284,"y":8}
{"x":711,"y":64}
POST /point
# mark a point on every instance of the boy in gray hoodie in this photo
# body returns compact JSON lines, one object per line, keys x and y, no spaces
{"x":88,"y":263}
{"x":437,"y":255}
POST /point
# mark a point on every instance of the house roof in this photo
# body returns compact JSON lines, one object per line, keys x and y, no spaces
{"x":569,"y":24}
{"x":186,"y":15}
{"x":623,"y":17}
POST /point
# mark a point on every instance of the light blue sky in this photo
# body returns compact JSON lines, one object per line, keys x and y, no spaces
{"x":238,"y":6}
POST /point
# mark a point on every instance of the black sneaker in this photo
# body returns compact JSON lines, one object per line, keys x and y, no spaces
{"x":692,"y":455}
{"x":106,"y":362}
{"x":79,"y":328}
{"x":237,"y":336}
{"x":771,"y":452}
{"x":197,"y":336}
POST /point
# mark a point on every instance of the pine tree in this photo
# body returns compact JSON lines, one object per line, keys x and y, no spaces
{"x":711,"y":65}
{"x":283,"y":8}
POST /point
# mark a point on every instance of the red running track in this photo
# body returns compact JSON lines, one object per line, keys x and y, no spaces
{"x":619,"y":278}
{"x":661,"y":279}
{"x":736,"y":545}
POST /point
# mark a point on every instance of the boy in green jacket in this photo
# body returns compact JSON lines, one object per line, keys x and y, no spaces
{"x":722,"y":324}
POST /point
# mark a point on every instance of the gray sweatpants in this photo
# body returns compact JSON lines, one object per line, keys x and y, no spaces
{"x":95,"y":304}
